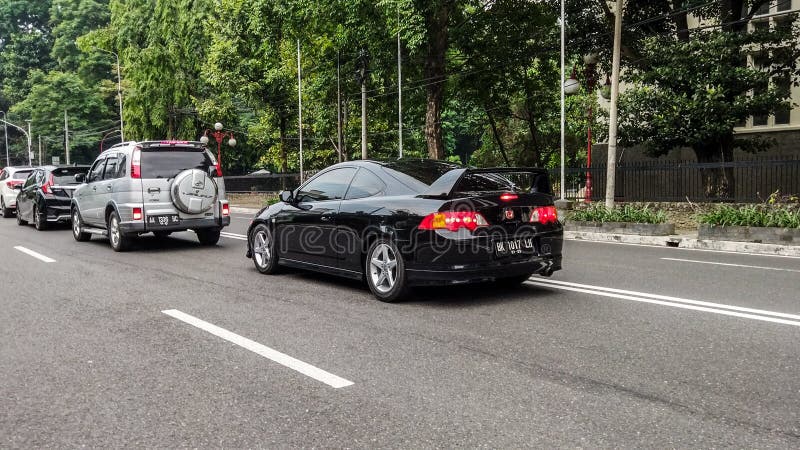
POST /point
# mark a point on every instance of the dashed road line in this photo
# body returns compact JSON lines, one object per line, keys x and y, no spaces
{"x":36,"y":255}
{"x":260,"y":349}
{"x":240,"y":237}
{"x":745,"y":266}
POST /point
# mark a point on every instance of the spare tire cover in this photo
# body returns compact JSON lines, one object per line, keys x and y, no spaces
{"x":193,"y":191}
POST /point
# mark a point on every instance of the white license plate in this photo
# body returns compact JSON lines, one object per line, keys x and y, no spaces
{"x":514,"y":247}
{"x":165,"y":220}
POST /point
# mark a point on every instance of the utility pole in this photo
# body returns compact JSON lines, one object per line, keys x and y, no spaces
{"x":339,"y":105}
{"x":40,"y":149}
{"x":30,"y":153}
{"x":5,"y":135}
{"x":66,"y":136}
{"x":361,"y":76}
{"x":561,"y":89}
{"x":119,"y":93}
{"x":612,"y":121}
{"x":399,"y":88}
{"x":300,"y":109}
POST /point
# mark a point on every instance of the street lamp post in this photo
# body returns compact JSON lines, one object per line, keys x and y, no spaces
{"x":218,"y":134}
{"x":5,"y":135}
{"x":26,"y":133}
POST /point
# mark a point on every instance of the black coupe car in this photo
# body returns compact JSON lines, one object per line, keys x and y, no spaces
{"x":413,"y":222}
{"x":46,"y":194}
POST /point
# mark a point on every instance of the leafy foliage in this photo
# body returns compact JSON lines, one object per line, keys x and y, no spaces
{"x":597,"y":212}
{"x":779,"y":215}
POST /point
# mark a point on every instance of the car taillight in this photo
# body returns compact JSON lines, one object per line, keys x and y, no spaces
{"x":544,"y":215}
{"x":47,"y":187}
{"x":453,"y":220}
{"x":226,"y":210}
{"x":136,"y":164}
{"x":219,"y":169}
{"x":508,"y":197}
{"x":137,"y":213}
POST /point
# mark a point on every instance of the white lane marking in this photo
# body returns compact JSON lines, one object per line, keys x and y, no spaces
{"x":242,"y":217}
{"x":240,"y":237}
{"x":274,"y":355}
{"x":727,"y":252}
{"x":746,"y":266}
{"x":36,"y":255}
{"x":675,"y":302}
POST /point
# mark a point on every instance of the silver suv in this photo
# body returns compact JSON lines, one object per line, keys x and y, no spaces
{"x":155,"y":187}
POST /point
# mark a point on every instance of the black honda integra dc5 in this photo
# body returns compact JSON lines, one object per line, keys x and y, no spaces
{"x":413,"y":222}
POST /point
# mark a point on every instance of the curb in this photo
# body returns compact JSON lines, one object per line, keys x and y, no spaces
{"x":688,"y":242}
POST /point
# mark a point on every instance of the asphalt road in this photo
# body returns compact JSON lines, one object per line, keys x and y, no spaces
{"x":628,"y":346}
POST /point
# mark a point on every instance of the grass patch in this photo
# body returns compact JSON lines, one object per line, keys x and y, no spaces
{"x":767,"y":215}
{"x":597,"y":212}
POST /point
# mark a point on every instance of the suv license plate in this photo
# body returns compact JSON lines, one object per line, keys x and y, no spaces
{"x":165,"y":220}
{"x":514,"y":247}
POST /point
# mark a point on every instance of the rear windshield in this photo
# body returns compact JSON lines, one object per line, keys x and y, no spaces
{"x":66,"y":175}
{"x":520,"y":182}
{"x":418,"y":175}
{"x":21,"y":174}
{"x":169,"y":163}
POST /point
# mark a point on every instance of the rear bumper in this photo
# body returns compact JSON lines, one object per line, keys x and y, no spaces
{"x":457,"y":274}
{"x":57,"y":211}
{"x":186,"y":224}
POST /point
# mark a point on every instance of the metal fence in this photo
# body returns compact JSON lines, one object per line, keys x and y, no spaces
{"x":673,"y":181}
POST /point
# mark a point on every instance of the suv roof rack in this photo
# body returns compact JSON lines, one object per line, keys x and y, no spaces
{"x":171,"y":143}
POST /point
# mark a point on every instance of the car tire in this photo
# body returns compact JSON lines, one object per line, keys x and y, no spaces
{"x":514,"y":281}
{"x":262,"y":244}
{"x":208,"y":236}
{"x":120,"y":242}
{"x":77,"y":227}
{"x":7,"y":212}
{"x":38,"y":221}
{"x":20,"y":220}
{"x":384,"y":269}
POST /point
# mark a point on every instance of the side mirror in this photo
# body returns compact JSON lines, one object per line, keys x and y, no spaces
{"x":80,"y":177}
{"x":286,"y":196}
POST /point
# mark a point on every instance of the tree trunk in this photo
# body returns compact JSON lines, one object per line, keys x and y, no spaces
{"x":718,"y":183}
{"x":497,"y":136}
{"x":282,"y":126}
{"x":436,"y":25}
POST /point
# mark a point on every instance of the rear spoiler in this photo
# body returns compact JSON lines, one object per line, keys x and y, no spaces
{"x":445,"y":185}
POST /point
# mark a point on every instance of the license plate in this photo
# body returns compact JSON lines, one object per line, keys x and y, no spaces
{"x":165,"y":220}
{"x":514,"y":247}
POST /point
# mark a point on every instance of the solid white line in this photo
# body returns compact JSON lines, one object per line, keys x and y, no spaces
{"x":746,"y":266}
{"x":672,"y":299}
{"x":38,"y":256}
{"x":727,"y":252}
{"x":274,"y":355}
{"x":684,"y":303}
{"x":240,"y":237}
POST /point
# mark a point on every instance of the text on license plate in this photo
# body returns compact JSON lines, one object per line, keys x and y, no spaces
{"x":514,"y":246}
{"x":163,"y":220}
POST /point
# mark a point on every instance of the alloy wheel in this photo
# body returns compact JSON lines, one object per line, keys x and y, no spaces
{"x":383,"y":268}
{"x":114,"y":232}
{"x":261,"y":248}
{"x":76,"y":223}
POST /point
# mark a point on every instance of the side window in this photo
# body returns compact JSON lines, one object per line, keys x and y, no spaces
{"x":365,"y":184}
{"x":112,"y":164}
{"x":96,"y":172}
{"x":3,"y":175}
{"x":39,"y":177}
{"x":122,"y":166}
{"x":31,"y":180}
{"x":330,"y":185}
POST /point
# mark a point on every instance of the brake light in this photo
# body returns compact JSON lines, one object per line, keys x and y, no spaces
{"x":453,"y":221}
{"x":137,"y":213}
{"x":173,"y":142}
{"x":136,"y":164}
{"x":508,"y":197}
{"x":544,"y":215}
{"x":226,"y":210}
{"x":47,"y":188}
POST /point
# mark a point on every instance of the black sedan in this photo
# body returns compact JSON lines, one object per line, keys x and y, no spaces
{"x":413,"y":222}
{"x":46,"y":194}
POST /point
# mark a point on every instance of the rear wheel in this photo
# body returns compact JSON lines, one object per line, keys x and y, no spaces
{"x":208,"y":236}
{"x":263,"y":247}
{"x":20,"y":221}
{"x":38,"y":221}
{"x":385,"y":271}
{"x":119,"y":240}
{"x":77,"y":227}
{"x":7,"y":212}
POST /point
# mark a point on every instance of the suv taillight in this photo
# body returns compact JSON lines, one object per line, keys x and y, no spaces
{"x":137,"y":213}
{"x":47,"y":186}
{"x":136,"y":164}
{"x":226,"y":210}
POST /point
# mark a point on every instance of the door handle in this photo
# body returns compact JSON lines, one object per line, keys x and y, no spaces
{"x":153,"y":190}
{"x":326,"y":218}
{"x":108,"y":188}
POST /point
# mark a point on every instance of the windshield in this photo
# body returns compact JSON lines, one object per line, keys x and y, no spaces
{"x":66,"y":175}
{"x":169,"y":163}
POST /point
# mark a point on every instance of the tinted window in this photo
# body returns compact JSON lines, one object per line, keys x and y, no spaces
{"x":365,"y":184}
{"x":419,"y":174}
{"x":96,"y":172}
{"x":29,"y":182}
{"x":122,"y":166}
{"x":330,"y":185}
{"x":169,"y":163}
{"x":3,"y":175}
{"x":66,"y":175}
{"x":504,"y":182}
{"x":112,"y":166}
{"x":21,"y":174}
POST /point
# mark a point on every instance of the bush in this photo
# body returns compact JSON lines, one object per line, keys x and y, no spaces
{"x":768,"y":215}
{"x":598,"y":212}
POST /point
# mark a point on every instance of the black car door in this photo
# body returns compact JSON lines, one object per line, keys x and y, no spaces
{"x":26,"y":196}
{"x":356,"y":214}
{"x":305,"y":228}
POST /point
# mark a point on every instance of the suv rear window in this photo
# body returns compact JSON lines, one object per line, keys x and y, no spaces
{"x":21,"y":174}
{"x":169,"y":163}
{"x":66,"y":175}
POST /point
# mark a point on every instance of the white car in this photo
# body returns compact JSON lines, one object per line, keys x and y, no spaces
{"x":11,"y":177}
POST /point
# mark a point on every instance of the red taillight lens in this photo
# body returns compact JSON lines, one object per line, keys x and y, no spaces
{"x":226,"y":210}
{"x":453,"y":221}
{"x":544,"y":215}
{"x":136,"y":164}
{"x":47,"y":187}
{"x":137,"y":213}
{"x":219,"y":169}
{"x":508,"y":197}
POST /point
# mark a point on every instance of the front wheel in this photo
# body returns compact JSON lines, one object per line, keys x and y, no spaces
{"x":77,"y":227}
{"x":208,"y":236}
{"x":386,"y":271}
{"x":120,"y":242}
{"x":263,"y":247}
